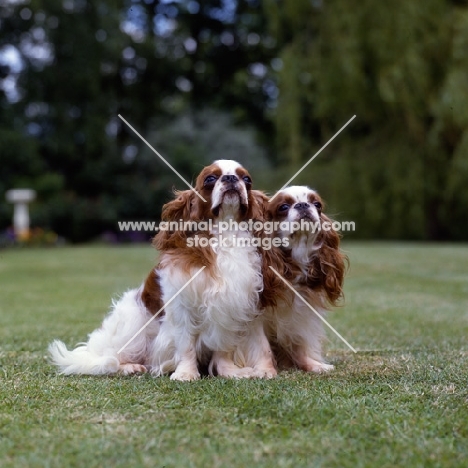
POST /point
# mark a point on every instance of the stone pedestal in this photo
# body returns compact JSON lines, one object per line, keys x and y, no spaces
{"x":21,"y":198}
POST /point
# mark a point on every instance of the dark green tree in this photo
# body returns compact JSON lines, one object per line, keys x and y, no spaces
{"x":83,"y":63}
{"x":402,"y":68}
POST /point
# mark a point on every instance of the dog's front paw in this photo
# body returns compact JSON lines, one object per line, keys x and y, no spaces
{"x":248,"y":373}
{"x":317,"y":367}
{"x":129,"y":369}
{"x":265,"y":372}
{"x":185,"y":376}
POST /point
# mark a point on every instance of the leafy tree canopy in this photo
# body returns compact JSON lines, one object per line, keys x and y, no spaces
{"x":402,"y":68}
{"x":78,"y":64}
{"x":265,"y":82}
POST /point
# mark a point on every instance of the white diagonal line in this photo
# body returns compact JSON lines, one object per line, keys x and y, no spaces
{"x":314,"y":156}
{"x":159,"y":311}
{"x":162,"y":159}
{"x":312,"y":309}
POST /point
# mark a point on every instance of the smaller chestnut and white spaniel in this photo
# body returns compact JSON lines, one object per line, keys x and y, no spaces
{"x":214,"y":319}
{"x":311,"y":261}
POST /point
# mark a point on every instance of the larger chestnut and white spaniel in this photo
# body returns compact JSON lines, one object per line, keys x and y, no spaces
{"x":311,"y":261}
{"x":213,"y":319}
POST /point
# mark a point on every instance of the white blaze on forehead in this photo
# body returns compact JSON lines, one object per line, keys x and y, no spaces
{"x":298,"y":192}
{"x":227,"y":166}
{"x":230,"y":203}
{"x":301,"y":240}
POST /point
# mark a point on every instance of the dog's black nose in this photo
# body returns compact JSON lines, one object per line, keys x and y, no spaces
{"x":301,"y":206}
{"x":229,"y":178}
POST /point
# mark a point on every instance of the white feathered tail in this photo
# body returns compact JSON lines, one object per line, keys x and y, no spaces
{"x":100,"y":355}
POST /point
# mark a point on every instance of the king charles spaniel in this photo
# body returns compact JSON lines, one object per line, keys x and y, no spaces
{"x":311,"y":261}
{"x":205,"y":289}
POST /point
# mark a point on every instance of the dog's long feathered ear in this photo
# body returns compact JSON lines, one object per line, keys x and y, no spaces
{"x":329,"y":265}
{"x":257,"y":205}
{"x":179,"y":209}
{"x":273,"y":287}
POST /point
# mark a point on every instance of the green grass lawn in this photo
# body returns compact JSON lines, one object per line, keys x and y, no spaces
{"x":401,"y":401}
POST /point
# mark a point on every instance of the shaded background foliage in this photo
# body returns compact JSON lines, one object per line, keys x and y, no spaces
{"x":266,"y":83}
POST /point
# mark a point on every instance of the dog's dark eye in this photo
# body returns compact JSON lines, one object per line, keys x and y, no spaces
{"x":247,"y":180}
{"x":210,"y":180}
{"x":284,"y":207}
{"x":318,"y":205}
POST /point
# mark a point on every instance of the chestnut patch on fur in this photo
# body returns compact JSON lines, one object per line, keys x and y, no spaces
{"x":151,"y":295}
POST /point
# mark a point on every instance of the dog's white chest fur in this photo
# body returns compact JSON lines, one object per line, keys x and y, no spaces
{"x":223,"y":299}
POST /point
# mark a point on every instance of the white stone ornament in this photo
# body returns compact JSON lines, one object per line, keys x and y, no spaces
{"x":20,"y":199}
